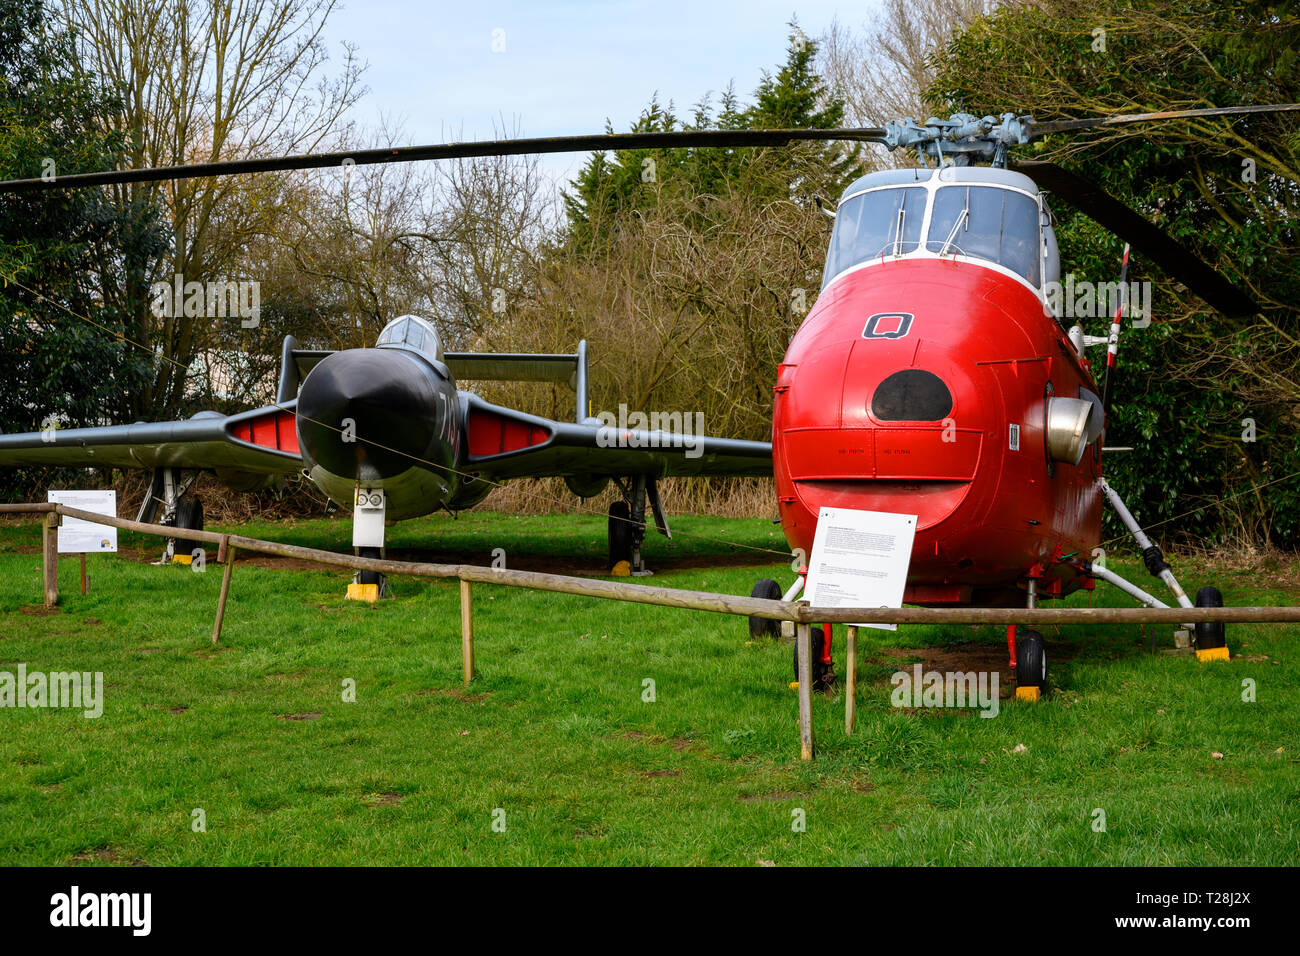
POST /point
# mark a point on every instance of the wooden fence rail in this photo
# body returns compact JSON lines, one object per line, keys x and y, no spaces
{"x":797,"y":612}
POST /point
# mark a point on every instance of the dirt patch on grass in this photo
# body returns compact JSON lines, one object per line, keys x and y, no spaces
{"x":178,"y":709}
{"x":678,"y":744}
{"x":104,"y":854}
{"x":455,"y":693}
{"x":954,"y":658}
{"x":659,"y":773}
{"x":297,"y":716}
{"x":767,"y":797}
{"x":383,"y":799}
{"x":39,"y":610}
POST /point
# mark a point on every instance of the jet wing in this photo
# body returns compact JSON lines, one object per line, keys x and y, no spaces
{"x":263,"y":440}
{"x":504,"y":443}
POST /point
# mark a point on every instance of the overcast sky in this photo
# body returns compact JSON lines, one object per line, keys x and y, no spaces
{"x":567,"y":65}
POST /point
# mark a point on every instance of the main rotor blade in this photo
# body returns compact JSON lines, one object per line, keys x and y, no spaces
{"x":406,"y":154}
{"x":1153,"y":242}
{"x":1123,"y":119}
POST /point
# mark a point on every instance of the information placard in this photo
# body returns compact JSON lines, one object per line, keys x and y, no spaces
{"x":860,"y":559}
{"x":85,"y":537}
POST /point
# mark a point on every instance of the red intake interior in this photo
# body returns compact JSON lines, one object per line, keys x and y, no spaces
{"x":493,"y":434}
{"x":277,"y":430}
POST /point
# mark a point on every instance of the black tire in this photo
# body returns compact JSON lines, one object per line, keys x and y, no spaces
{"x":1031,"y":660}
{"x":769,"y":590}
{"x":822,"y":673}
{"x":620,"y":533}
{"x":369,"y":577}
{"x":1209,"y":635}
{"x":189,"y":517}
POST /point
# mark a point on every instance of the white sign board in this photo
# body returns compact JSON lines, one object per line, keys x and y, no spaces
{"x":84,"y":537}
{"x":860,"y":559}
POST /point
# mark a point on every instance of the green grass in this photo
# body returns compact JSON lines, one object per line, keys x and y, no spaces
{"x":555,"y":733}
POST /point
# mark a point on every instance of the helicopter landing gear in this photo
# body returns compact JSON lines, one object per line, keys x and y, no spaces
{"x":823,"y":665}
{"x":1028,"y":654}
{"x":768,"y":590}
{"x":1031,"y":666}
{"x":1210,"y":642}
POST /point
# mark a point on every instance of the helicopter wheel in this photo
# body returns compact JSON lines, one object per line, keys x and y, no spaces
{"x":769,"y":590}
{"x":1211,"y":644}
{"x":823,"y":674}
{"x":1031,"y":666}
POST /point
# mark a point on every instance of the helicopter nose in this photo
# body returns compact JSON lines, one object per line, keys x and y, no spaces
{"x":368,"y":414}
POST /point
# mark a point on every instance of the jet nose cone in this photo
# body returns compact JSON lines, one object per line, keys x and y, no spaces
{"x":368,"y":413}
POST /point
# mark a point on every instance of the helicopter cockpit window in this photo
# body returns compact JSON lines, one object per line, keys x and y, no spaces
{"x":412,"y":332}
{"x":882,"y":222}
{"x":987,"y":222}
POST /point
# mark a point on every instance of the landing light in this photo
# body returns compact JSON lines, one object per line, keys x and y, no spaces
{"x":1068,"y":428}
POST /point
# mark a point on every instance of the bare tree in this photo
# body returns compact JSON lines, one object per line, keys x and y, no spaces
{"x":207,"y":81}
{"x":883,"y":70}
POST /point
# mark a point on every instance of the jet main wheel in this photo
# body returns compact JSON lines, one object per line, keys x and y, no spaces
{"x":769,"y":590}
{"x":1031,"y":661}
{"x":1209,"y":635}
{"x":620,"y":533}
{"x":823,"y":674}
{"x":189,"y":516}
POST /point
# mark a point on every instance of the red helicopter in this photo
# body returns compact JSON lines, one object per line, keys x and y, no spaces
{"x":933,"y":377}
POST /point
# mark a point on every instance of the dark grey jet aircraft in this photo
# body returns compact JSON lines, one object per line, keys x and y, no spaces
{"x":386,"y":433}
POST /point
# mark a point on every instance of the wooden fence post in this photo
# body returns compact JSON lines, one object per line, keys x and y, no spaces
{"x":50,"y":557}
{"x":851,"y":682}
{"x":223,"y":549}
{"x":804,"y":643}
{"x":466,"y":630}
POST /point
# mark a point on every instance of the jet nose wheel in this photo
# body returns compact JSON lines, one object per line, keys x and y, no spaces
{"x":1031,"y":666}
